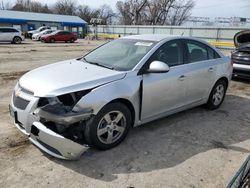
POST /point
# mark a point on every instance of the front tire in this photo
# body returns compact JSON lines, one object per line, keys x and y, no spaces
{"x":109,"y":127}
{"x":17,"y":40}
{"x":217,"y":95}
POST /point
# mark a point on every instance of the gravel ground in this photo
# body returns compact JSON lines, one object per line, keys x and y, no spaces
{"x":194,"y":148}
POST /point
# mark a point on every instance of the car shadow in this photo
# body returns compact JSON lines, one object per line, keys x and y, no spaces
{"x":169,"y":141}
{"x":244,"y":80}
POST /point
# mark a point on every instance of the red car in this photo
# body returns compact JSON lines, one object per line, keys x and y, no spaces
{"x":59,"y":36}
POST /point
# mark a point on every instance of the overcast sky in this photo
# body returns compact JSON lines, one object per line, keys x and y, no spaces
{"x":210,"y":8}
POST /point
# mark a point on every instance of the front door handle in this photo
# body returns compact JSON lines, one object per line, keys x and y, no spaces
{"x":182,"y":77}
{"x":211,"y":69}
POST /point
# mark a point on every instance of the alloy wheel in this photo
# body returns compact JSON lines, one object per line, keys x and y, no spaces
{"x":218,"y":94}
{"x":111,"y":127}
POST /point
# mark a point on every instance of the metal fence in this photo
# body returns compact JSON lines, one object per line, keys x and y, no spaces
{"x":206,"y":33}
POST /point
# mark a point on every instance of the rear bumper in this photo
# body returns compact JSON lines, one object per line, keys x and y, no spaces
{"x":35,"y":38}
{"x":241,"y":70}
{"x":55,"y":144}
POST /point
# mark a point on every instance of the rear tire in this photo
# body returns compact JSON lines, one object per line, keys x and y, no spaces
{"x":217,"y":95}
{"x":17,"y":40}
{"x":109,"y":127}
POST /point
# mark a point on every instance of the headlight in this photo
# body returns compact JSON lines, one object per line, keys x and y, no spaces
{"x":69,"y":99}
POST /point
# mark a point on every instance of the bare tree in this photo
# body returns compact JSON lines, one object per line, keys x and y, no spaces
{"x":85,"y":12}
{"x":30,"y":6}
{"x":67,"y":7}
{"x":5,"y":6}
{"x":125,"y":15}
{"x":106,"y":14}
{"x":131,"y":11}
{"x":154,"y":12}
{"x":180,"y":12}
{"x":157,"y":11}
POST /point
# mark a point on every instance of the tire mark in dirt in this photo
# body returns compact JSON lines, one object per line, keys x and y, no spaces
{"x":12,"y":75}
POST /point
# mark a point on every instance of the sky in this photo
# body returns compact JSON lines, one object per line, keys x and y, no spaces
{"x":207,"y":8}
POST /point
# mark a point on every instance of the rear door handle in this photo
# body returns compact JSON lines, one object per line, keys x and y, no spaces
{"x":211,"y":69}
{"x":182,"y":77}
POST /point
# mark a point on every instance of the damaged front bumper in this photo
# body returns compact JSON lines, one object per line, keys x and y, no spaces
{"x":55,"y":144}
{"x":57,"y":113}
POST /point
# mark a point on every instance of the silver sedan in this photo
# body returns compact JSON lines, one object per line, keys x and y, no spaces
{"x":93,"y":101}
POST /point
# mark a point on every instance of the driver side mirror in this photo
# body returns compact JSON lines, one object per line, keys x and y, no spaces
{"x":158,"y":67}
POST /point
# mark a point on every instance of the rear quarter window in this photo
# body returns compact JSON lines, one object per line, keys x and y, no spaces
{"x":212,"y":54}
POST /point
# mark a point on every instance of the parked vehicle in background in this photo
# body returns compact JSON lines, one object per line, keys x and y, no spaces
{"x":59,"y":36}
{"x":9,"y":34}
{"x":94,"y":100}
{"x":37,"y":36}
{"x":241,"y":56}
{"x":30,"y":33}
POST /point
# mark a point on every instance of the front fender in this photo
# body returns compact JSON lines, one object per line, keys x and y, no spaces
{"x":127,"y":88}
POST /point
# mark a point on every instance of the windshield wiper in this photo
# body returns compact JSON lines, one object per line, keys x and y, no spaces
{"x":98,"y":64}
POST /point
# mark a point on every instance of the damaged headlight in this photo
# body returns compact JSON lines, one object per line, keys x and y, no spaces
{"x":68,"y":100}
{"x":59,"y":109}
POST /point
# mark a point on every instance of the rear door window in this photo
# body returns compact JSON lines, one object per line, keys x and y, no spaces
{"x":196,"y":51}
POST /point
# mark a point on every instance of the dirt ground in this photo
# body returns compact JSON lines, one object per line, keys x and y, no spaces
{"x":195,"y":148}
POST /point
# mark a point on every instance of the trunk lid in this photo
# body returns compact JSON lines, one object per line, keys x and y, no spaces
{"x":242,"y":38}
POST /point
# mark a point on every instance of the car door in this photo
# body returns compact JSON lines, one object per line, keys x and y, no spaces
{"x":163,"y":92}
{"x":200,"y":70}
{"x":67,"y":36}
{"x":7,"y":34}
{"x":60,"y":36}
{"x":57,"y":36}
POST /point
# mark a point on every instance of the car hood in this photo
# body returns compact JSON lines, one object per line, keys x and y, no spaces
{"x":66,"y":77}
{"x":242,"y":38}
{"x":35,"y":34}
{"x":33,"y":31}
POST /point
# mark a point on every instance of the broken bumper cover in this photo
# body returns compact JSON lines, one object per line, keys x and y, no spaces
{"x":55,"y":144}
{"x":51,"y":113}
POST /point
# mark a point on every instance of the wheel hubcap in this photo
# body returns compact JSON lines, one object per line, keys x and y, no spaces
{"x":111,"y":127}
{"x":17,"y":40}
{"x":218,"y":94}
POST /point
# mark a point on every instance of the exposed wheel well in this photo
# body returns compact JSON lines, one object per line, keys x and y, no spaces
{"x":224,"y":79}
{"x":16,"y":37}
{"x":129,"y":105}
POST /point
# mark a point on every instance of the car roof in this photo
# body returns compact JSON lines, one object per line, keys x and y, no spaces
{"x":151,"y":37}
{"x":160,"y":37}
{"x":7,"y":28}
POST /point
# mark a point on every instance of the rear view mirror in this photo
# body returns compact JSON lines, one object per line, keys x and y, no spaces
{"x":158,"y":67}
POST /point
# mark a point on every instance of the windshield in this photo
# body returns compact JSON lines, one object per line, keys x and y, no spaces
{"x":121,"y":54}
